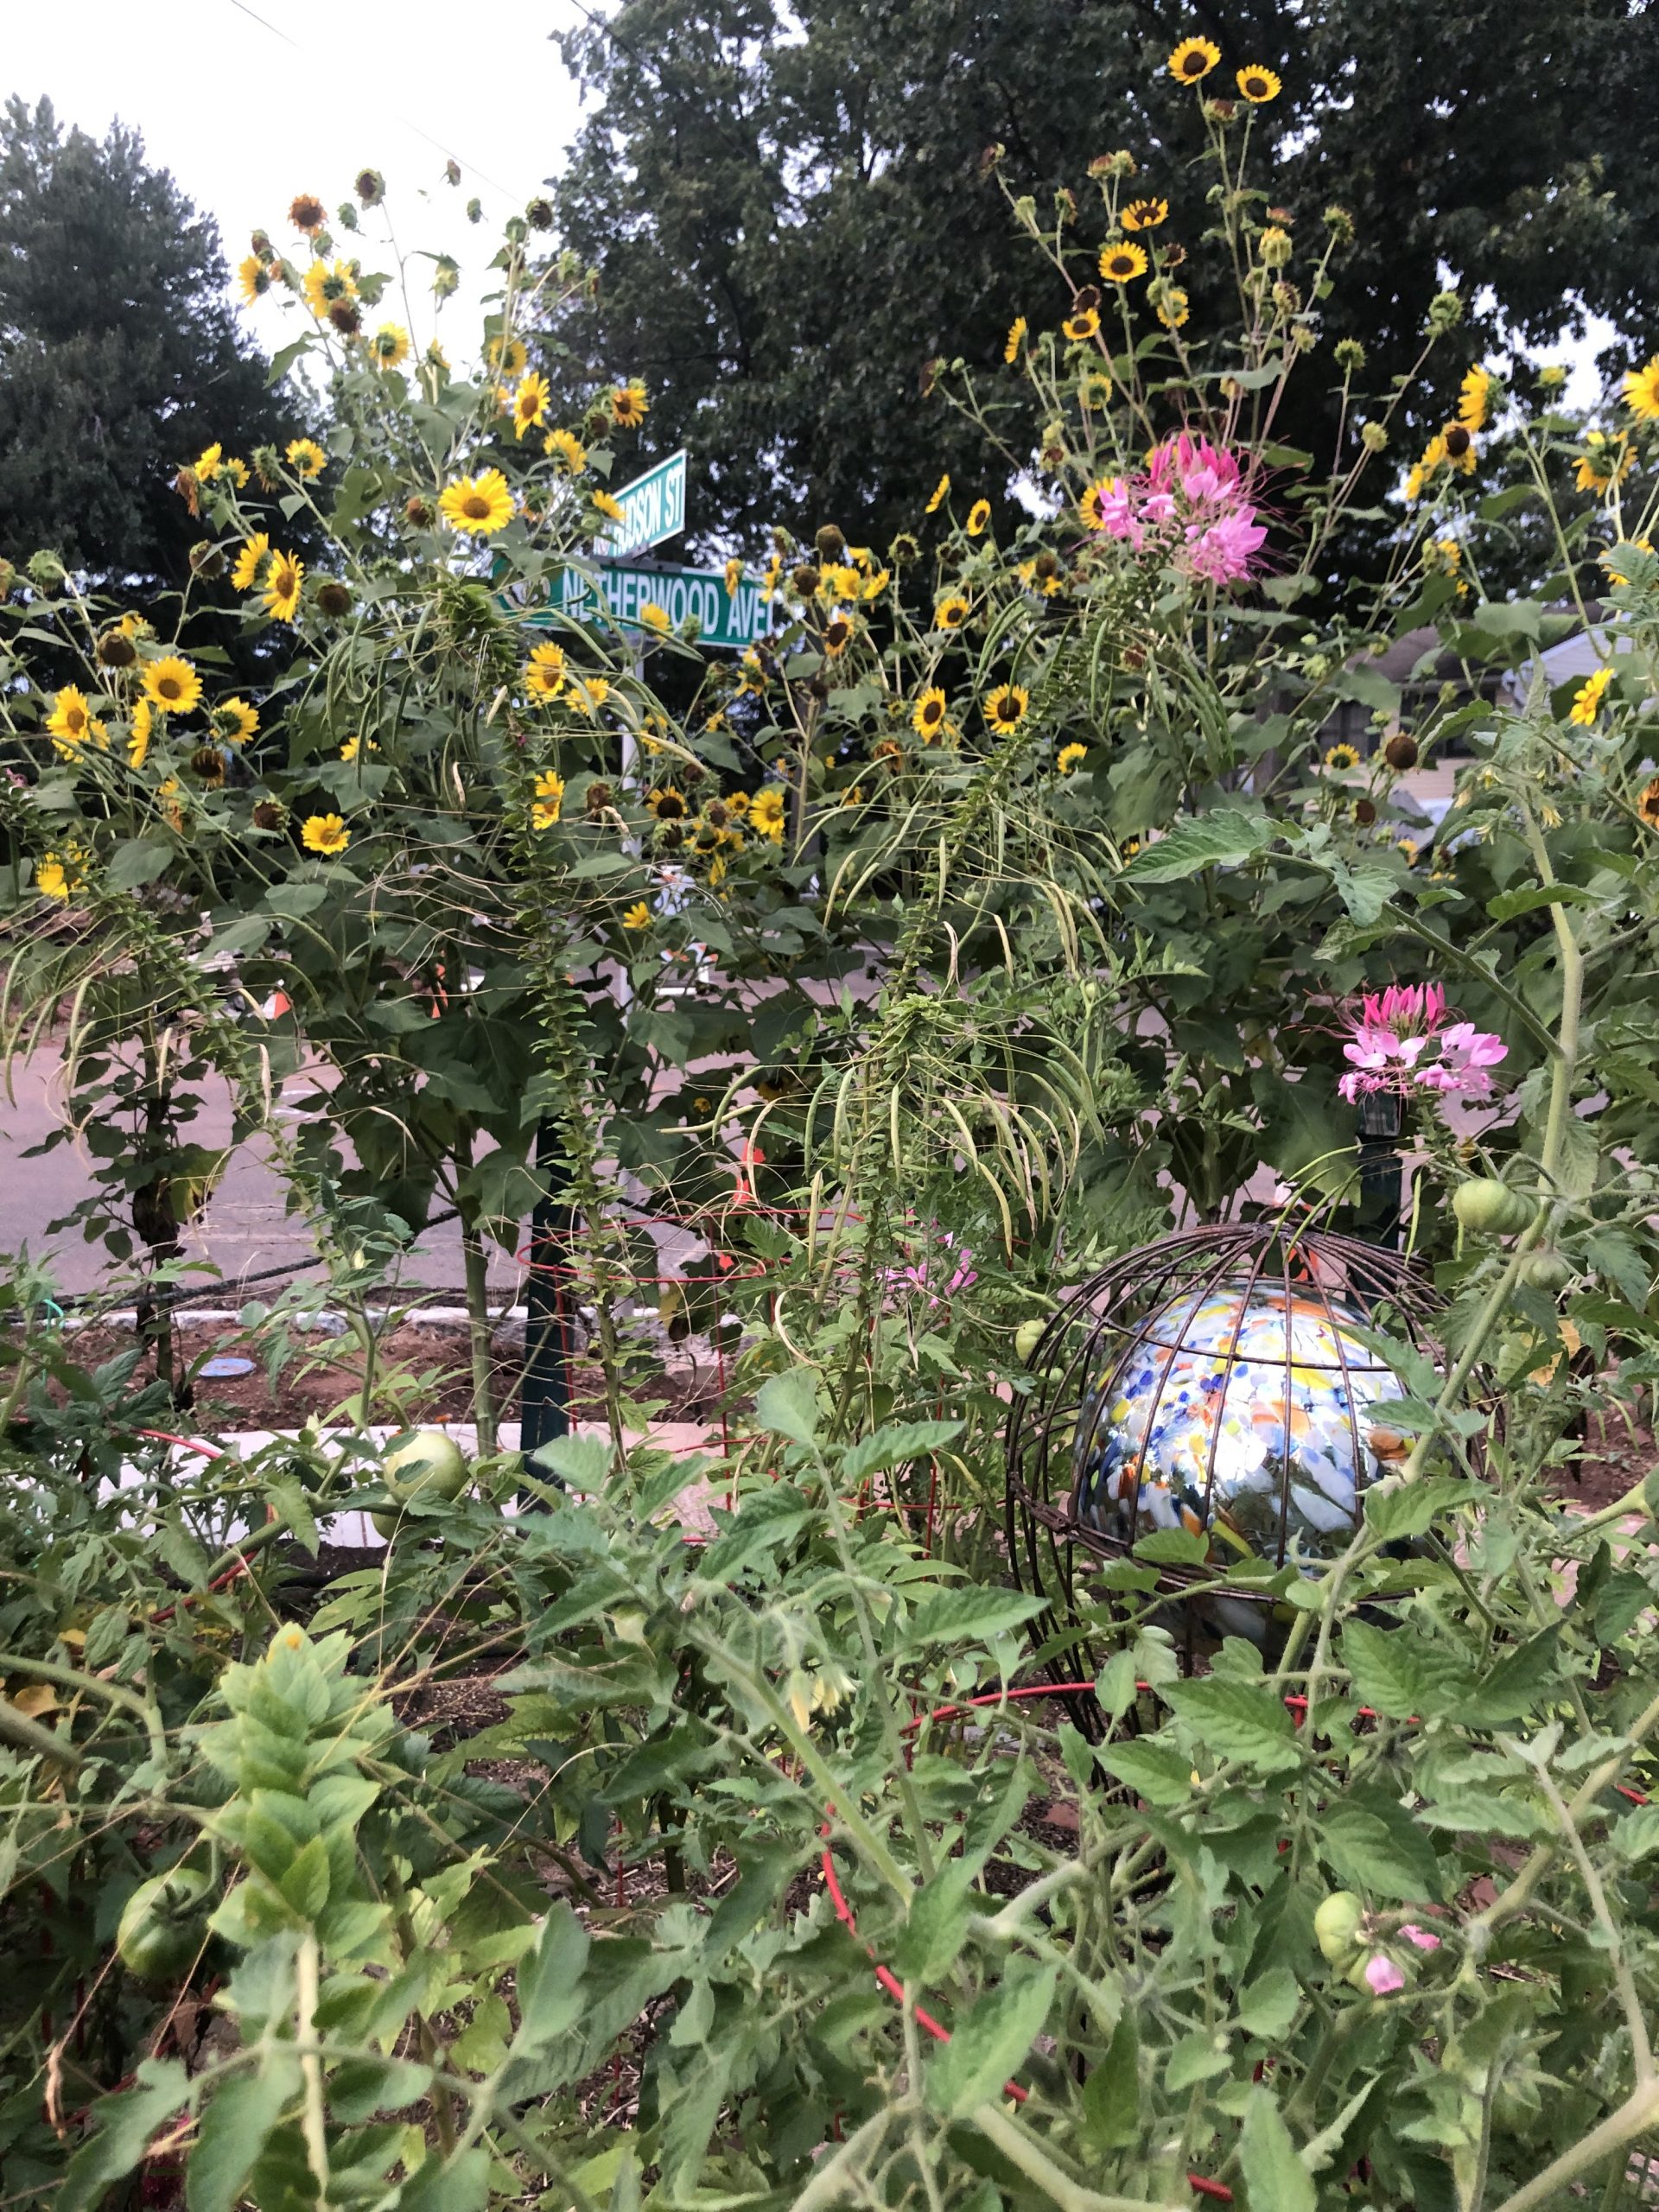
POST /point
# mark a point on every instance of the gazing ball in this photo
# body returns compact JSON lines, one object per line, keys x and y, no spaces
{"x":1239,"y":1411}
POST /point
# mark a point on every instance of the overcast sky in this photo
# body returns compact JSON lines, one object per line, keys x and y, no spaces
{"x":248,"y":102}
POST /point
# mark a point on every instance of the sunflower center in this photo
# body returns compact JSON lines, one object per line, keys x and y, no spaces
{"x":475,"y":507}
{"x":171,"y":688}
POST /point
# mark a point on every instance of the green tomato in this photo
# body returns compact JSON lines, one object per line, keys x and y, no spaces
{"x":1546,"y":1271}
{"x":1336,"y":1924}
{"x":162,"y":1925}
{"x":1029,"y":1335}
{"x":1491,"y":1207}
{"x":426,"y":1464}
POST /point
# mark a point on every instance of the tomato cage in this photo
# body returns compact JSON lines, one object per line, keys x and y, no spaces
{"x":1210,"y":1399}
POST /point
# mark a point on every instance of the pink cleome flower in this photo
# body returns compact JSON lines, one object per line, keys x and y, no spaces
{"x":1191,"y":507}
{"x":1396,"y":1042}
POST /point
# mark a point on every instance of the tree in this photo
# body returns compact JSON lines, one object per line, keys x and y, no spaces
{"x":119,"y":355}
{"x":792,"y":217}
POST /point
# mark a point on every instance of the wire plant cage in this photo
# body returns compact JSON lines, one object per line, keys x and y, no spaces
{"x":1217,"y":1382}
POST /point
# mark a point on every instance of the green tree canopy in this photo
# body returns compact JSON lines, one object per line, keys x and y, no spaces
{"x":120,"y":355}
{"x":791,"y":217}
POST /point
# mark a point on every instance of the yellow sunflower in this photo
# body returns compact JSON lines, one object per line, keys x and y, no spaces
{"x":951,"y":613}
{"x":173,"y":685}
{"x":1257,"y":84}
{"x":604,"y":504}
{"x":667,"y":803}
{"x":1586,"y":700}
{"x":70,"y":722}
{"x":1016,"y":339}
{"x":1342,"y":757}
{"x":655,"y":619}
{"x":566,"y":446}
{"x":207,"y":463}
{"x":1173,"y":306}
{"x":235,"y":720}
{"x":873,"y":586}
{"x":1070,"y":757}
{"x":1084,"y":324}
{"x":283,"y":583}
{"x":941,"y":494}
{"x":978,"y":515}
{"x":1005,"y":710}
{"x":253,"y":278}
{"x":1648,"y":805}
{"x":354,"y":748}
{"x":307,"y":458}
{"x":837,"y":634}
{"x":479,"y":504}
{"x":138,"y":735}
{"x":544,"y":677}
{"x":1145,"y":214}
{"x":246,"y":573}
{"x":766,"y":813}
{"x":1605,"y":464}
{"x":326,"y":834}
{"x":530,"y":403}
{"x":1193,"y":58}
{"x":306,"y":213}
{"x":629,"y":405}
{"x":550,"y":798}
{"x":508,"y":356}
{"x":928,"y":718}
{"x":734,"y":575}
{"x":55,"y":877}
{"x":1119,"y":264}
{"x":638,"y":916}
{"x":588,"y":694}
{"x":1474,"y":399}
{"x":390,"y":347}
{"x":1641,"y":392}
{"x":328,"y":285}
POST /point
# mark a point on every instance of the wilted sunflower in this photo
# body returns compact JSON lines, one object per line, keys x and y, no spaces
{"x":1121,"y":263}
{"x":1258,"y":84}
{"x":929,"y":717}
{"x":1193,"y":58}
{"x":326,"y":834}
{"x":173,"y":685}
{"x":530,"y":403}
{"x":629,"y":405}
{"x":389,"y":347}
{"x":1084,"y":324}
{"x":246,"y":573}
{"x":1005,"y":709}
{"x":1145,"y":214}
{"x":950,"y":614}
{"x":544,"y":677}
{"x":1342,"y":757}
{"x":235,"y":720}
{"x":329,"y":284}
{"x":550,"y":798}
{"x":306,"y":213}
{"x":480,"y":504}
{"x":306,"y":457}
{"x":282,"y":583}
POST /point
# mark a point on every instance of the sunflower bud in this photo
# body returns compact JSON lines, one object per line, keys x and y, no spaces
{"x":47,"y":570}
{"x":1340,"y":224}
{"x":1400,"y":751}
{"x":261,"y":247}
{"x":805,"y":580}
{"x":1065,"y":204}
{"x":419,"y":511}
{"x":1025,"y":212}
{"x":1273,"y":247}
{"x":334,"y":600}
{"x":831,"y":545}
{"x":1445,"y":313}
{"x":345,"y":215}
{"x":269,"y":815}
{"x":599,"y":799}
{"x":346,"y":317}
{"x":990,"y":158}
{"x":1551,"y":376}
{"x":370,"y":187}
{"x":1221,"y":111}
{"x":116,"y":649}
{"x":539,"y":214}
{"x":446,"y":276}
{"x":1374,"y":437}
{"x":1351,"y":355}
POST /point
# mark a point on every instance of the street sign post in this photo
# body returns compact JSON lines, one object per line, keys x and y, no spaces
{"x":727,"y":620}
{"x":654,"y":508}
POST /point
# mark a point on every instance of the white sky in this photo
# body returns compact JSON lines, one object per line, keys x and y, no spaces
{"x":249,"y":102}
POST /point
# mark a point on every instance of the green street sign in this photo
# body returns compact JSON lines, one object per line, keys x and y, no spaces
{"x":654,"y":508}
{"x":727,"y":620}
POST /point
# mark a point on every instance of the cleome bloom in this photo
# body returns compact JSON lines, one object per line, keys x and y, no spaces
{"x":1399,"y":1041}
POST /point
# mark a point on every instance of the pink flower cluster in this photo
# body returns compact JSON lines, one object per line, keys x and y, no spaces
{"x":933,"y":1283}
{"x":1192,"y":506}
{"x":1383,"y":1974}
{"x":1397,"y":1042}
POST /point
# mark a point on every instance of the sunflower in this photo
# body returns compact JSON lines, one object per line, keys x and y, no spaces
{"x":604,"y":504}
{"x":550,"y":798}
{"x":1015,"y":340}
{"x":950,"y":614}
{"x":1604,"y":465}
{"x":874,"y":586}
{"x":655,"y":619}
{"x":1069,"y":756}
{"x":1342,"y":757}
{"x":253,"y":278}
{"x":508,"y":356}
{"x":668,"y":804}
{"x":1648,"y":805}
{"x":734,"y":576}
{"x":1193,"y":58}
{"x":544,"y":677}
{"x":138,"y":735}
{"x":837,"y":634}
{"x":70,"y":722}
{"x":206,"y":465}
{"x":55,"y":877}
{"x":1093,"y":505}
{"x":928,"y":718}
{"x":479,"y":504}
{"x":306,"y":213}
{"x":389,"y":347}
{"x":1641,"y":545}
{"x":1005,"y":710}
{"x":328,"y":285}
{"x":766,"y":813}
{"x":629,"y":405}
{"x":1084,"y":324}
{"x":839,"y":581}
{"x":326,"y":834}
{"x":249,"y":561}
{"x":173,"y":685}
{"x":978,"y":515}
{"x":941,"y":494}
{"x":1119,"y":264}
{"x":307,"y":458}
{"x":282,"y":587}
{"x":354,"y":748}
{"x":1257,"y":84}
{"x":530,"y":403}
{"x":1173,"y":306}
{"x":235,"y":720}
{"x":1145,"y":214}
{"x":588,"y":694}
{"x":1474,"y":399}
{"x":1641,"y":392}
{"x":1586,"y":700}
{"x":638,"y":917}
{"x":565,"y":445}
